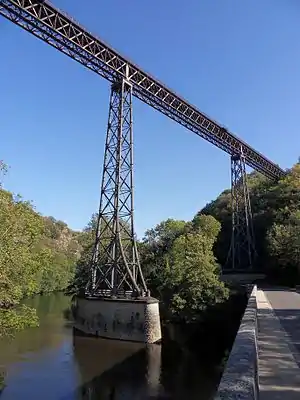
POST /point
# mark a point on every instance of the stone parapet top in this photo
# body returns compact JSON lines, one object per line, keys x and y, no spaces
{"x":240,"y":377}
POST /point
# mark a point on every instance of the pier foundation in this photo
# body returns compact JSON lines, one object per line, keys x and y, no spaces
{"x":124,"y":319}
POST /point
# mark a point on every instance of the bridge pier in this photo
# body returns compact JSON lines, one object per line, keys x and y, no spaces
{"x":117,"y":302}
{"x":135,"y":320}
{"x":241,"y":255}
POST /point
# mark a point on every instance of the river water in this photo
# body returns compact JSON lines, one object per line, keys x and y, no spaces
{"x":50,"y":363}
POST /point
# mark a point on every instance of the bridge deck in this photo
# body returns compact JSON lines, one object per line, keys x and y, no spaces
{"x":279,"y":344}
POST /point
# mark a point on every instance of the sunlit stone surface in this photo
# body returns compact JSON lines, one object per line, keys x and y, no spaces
{"x":134,"y":320}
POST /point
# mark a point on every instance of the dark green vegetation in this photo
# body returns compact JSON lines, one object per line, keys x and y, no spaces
{"x":276,"y":220}
{"x":181,"y":269}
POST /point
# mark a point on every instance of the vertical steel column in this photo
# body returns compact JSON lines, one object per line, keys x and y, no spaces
{"x":242,"y":249}
{"x":115,"y":268}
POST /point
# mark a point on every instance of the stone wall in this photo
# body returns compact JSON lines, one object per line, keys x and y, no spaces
{"x":240,"y":377}
{"x":134,"y":320}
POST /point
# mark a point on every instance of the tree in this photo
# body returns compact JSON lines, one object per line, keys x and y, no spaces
{"x":182,"y":270}
{"x":157,"y":242}
{"x":32,"y":258}
{"x":190,"y":279}
{"x":207,"y":225}
{"x":284,"y":248}
{"x":274,"y":204}
{"x":164,"y":233}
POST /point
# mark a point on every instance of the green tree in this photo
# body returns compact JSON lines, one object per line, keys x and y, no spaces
{"x":157,"y":242}
{"x":193,"y":276}
{"x":37,"y":254}
{"x":284,"y":249}
{"x":184,"y":274}
{"x":274,"y":204}
{"x":164,"y":233}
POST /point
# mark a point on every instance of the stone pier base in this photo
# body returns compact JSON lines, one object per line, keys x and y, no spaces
{"x":134,"y":320}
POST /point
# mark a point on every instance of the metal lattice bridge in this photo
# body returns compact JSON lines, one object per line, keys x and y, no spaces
{"x":115,"y":269}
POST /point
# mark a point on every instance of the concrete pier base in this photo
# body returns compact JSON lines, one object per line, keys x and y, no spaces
{"x":123,"y":319}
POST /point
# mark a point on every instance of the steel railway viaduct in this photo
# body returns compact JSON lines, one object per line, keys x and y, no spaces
{"x":116,"y":291}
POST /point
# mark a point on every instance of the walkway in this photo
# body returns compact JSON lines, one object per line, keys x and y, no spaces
{"x":279,"y":344}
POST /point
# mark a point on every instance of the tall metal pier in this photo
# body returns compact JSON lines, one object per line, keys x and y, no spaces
{"x":242,"y":249}
{"x":115,"y":267}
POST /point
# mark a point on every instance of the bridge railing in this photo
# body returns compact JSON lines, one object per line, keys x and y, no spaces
{"x":240,"y":377}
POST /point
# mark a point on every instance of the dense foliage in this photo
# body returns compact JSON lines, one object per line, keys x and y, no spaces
{"x":180,"y":266}
{"x":276,"y":220}
{"x":37,"y":255}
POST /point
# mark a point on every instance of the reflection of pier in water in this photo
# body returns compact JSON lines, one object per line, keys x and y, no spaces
{"x":48,"y":362}
{"x":113,"y":370}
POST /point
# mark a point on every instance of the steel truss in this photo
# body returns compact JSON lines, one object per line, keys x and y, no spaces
{"x":115,"y":268}
{"x":56,"y":28}
{"x":242,"y":249}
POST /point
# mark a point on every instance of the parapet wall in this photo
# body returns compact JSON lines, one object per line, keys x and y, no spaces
{"x":240,"y":377}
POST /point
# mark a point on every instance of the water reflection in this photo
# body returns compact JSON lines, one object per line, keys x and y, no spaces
{"x":50,"y":362}
{"x":50,"y":334}
{"x":118,"y":370}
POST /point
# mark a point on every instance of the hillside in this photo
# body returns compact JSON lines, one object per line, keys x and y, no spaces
{"x":276,"y":220}
{"x":37,"y":255}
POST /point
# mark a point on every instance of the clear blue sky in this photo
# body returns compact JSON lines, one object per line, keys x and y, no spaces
{"x":238,"y":61}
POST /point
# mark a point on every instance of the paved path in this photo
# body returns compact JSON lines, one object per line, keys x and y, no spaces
{"x":279,"y":344}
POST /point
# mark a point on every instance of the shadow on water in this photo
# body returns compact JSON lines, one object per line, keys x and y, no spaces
{"x":123,"y":370}
{"x":49,"y":362}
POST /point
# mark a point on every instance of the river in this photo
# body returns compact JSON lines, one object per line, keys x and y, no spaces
{"x":50,"y":363}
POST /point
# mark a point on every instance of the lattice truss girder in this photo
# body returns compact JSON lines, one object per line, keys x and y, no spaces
{"x":60,"y":31}
{"x":115,"y":267}
{"x":242,"y":249}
